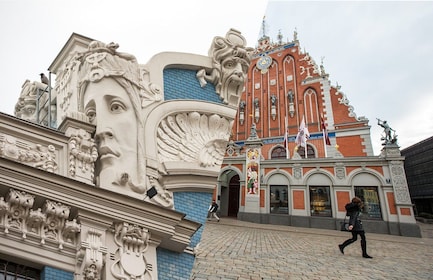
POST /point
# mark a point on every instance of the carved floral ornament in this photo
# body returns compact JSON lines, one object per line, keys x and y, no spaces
{"x":47,"y":223}
{"x":35,"y":155}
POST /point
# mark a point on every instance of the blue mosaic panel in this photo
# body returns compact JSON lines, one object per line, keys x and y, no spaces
{"x":183,"y":84}
{"x":50,"y":273}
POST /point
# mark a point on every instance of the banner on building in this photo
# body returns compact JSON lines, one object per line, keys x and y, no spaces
{"x":253,"y":171}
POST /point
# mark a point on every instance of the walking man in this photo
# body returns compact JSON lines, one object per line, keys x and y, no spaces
{"x":212,"y":211}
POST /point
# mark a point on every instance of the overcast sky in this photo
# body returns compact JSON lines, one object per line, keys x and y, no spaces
{"x":380,"y":53}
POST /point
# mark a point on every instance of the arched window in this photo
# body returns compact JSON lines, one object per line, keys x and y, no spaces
{"x":310,"y":151}
{"x":278,"y":152}
{"x":311,"y":107}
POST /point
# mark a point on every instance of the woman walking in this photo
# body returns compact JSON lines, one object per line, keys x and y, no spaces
{"x":355,"y":226}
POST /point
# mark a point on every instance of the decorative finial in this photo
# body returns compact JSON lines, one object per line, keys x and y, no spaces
{"x":280,"y":37}
{"x":264,"y":27}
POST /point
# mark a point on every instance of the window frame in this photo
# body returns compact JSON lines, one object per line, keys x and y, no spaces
{"x":318,"y":207}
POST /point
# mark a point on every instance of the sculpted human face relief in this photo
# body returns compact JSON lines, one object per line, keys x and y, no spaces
{"x":109,"y":107}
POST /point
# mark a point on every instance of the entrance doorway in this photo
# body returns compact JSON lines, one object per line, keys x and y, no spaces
{"x":234,"y":190}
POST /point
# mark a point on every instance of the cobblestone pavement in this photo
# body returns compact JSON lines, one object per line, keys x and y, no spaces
{"x":239,"y":250}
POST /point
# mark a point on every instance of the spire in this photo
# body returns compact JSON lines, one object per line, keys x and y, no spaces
{"x":280,"y":37}
{"x":263,"y":31}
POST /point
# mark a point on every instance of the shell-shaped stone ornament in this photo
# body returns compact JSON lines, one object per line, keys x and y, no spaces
{"x":193,"y":137}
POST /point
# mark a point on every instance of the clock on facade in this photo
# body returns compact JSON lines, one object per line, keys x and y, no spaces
{"x":264,"y":62}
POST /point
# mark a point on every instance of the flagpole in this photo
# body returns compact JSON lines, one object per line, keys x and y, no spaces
{"x":305,"y":137}
{"x":286,"y":138}
{"x":324,"y":143}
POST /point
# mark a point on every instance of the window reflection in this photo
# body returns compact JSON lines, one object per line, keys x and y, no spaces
{"x":279,"y":200}
{"x":370,"y":197}
{"x":278,"y":152}
{"x":310,"y":151}
{"x":320,"y":201}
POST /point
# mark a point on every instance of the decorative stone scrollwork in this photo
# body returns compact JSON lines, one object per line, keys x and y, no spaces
{"x":345,"y":101}
{"x":92,"y":255}
{"x":130,"y":258}
{"x":47,"y":223}
{"x":83,"y":153}
{"x":36,"y":155}
{"x":233,"y":149}
{"x":193,"y":137}
{"x":311,"y":67}
{"x":398,"y":176}
{"x":297,"y":171}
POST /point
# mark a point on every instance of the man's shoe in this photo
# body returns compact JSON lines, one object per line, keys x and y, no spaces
{"x":341,"y":248}
{"x":367,"y":256}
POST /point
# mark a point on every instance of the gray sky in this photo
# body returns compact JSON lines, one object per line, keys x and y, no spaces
{"x":379,"y":52}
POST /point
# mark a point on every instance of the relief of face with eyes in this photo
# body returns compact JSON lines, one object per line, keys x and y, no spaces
{"x":109,"y":107}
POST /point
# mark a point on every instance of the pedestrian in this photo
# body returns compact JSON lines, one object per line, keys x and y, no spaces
{"x":213,"y":208}
{"x":355,"y":226}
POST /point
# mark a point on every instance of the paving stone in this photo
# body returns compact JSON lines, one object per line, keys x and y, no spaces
{"x":238,"y":250}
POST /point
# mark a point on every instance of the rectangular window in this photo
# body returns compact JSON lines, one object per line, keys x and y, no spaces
{"x":279,"y":201}
{"x":320,"y":201}
{"x":370,"y":197}
{"x":13,"y":271}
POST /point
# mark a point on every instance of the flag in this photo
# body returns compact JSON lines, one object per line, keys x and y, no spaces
{"x":325,"y":132}
{"x":286,"y":138}
{"x":303,"y":134}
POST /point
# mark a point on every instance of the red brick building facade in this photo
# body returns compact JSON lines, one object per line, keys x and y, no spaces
{"x":266,"y":176}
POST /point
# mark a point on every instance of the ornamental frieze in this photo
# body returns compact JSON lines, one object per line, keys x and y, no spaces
{"x":36,"y":155}
{"x":49,"y":223}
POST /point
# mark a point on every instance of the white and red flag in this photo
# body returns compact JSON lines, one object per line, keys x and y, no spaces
{"x":303,"y":134}
{"x":325,"y":132}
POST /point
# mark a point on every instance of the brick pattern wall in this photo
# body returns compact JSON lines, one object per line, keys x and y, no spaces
{"x":50,"y":273}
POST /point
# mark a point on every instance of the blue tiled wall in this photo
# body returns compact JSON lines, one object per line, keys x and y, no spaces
{"x":195,"y":206}
{"x":49,"y":273}
{"x":183,"y":84}
{"x":173,"y":265}
{"x":179,"y":265}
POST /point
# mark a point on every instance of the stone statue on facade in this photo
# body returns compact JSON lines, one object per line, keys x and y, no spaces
{"x":111,"y":95}
{"x":388,"y":135}
{"x":25,"y":107}
{"x":231,"y":60}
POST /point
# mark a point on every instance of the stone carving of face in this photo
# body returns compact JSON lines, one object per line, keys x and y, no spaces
{"x":28,"y":112}
{"x":109,"y":107}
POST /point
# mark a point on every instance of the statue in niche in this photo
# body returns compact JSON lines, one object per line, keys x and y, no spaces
{"x":112,"y":96}
{"x":273,"y":100}
{"x":387,"y":137}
